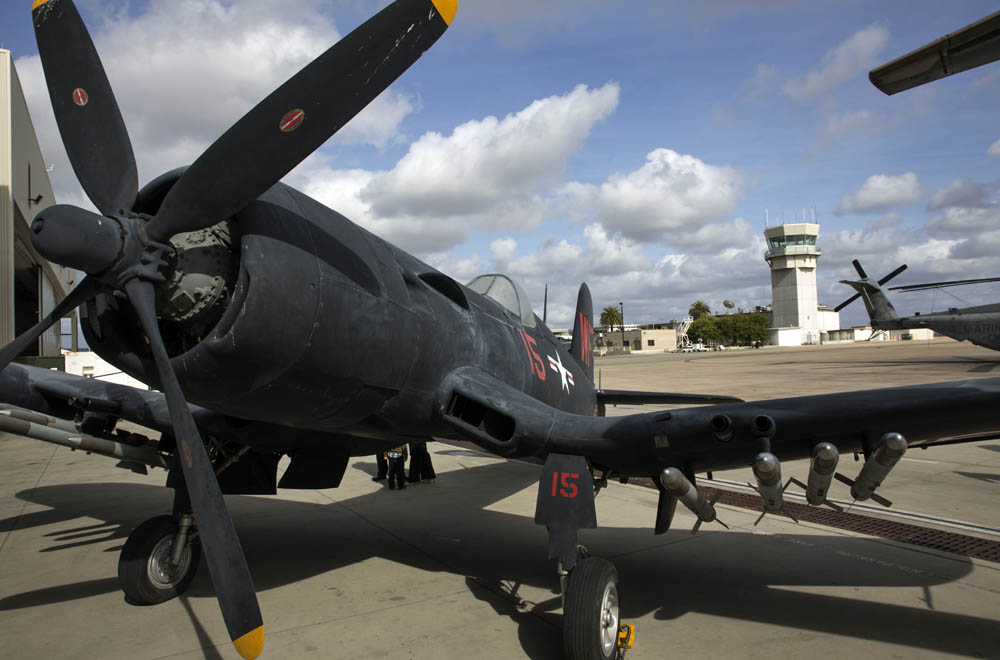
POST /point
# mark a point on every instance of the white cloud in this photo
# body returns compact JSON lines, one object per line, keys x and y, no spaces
{"x":963,"y":192}
{"x":659,"y":286}
{"x":502,"y":250}
{"x":984,"y":246}
{"x":669,"y":195}
{"x":493,"y":174}
{"x":855,"y":55}
{"x":882,"y":191}
{"x":964,"y":221}
{"x":874,"y":245}
{"x":994,"y":149}
{"x":183,"y":72}
{"x":715,"y":237}
{"x":969,"y":214}
{"x":485,"y":164}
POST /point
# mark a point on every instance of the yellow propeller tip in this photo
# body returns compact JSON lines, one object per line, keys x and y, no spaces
{"x":446,"y":8}
{"x":37,"y":3}
{"x":251,"y":644}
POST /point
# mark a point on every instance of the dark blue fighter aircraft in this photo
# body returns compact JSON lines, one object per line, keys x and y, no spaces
{"x":274,"y":326}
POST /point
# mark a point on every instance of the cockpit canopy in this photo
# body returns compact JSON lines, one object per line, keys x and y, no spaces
{"x":508,"y":293}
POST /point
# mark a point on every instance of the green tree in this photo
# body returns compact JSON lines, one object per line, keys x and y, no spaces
{"x":705,"y":329}
{"x":742,"y":329}
{"x":610,"y":317}
{"x":699,"y":309}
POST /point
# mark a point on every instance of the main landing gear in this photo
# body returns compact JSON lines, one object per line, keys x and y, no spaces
{"x":591,"y":624}
{"x":159,"y":560}
{"x":592,"y":629}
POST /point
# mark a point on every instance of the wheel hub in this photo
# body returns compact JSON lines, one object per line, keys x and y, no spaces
{"x":162,"y":571}
{"x":609,"y":619}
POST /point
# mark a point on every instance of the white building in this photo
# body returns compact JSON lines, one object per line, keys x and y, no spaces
{"x":797,"y":317}
{"x":90,"y":365}
{"x":638,"y":339}
{"x":30,"y":287}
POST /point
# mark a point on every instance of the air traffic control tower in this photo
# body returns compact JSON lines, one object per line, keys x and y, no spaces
{"x":792,"y":255}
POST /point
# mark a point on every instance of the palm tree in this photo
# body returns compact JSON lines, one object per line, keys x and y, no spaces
{"x":699,"y":309}
{"x":611,"y":316}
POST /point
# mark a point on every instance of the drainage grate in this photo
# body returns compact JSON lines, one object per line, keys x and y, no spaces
{"x":926,"y":537}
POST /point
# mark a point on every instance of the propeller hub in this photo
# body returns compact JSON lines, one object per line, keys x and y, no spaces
{"x":75,"y":238}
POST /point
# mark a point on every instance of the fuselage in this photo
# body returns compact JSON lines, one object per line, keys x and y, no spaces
{"x":979,"y":325}
{"x":331,"y":328}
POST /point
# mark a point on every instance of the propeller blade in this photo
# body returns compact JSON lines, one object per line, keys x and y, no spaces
{"x":82,"y":292}
{"x":299,"y":116}
{"x":89,"y":121}
{"x":861,"y":271}
{"x":230,"y":575}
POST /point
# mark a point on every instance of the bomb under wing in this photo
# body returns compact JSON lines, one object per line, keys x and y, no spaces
{"x":876,"y":468}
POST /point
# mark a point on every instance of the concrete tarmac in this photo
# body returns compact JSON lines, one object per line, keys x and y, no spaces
{"x":457,"y":568}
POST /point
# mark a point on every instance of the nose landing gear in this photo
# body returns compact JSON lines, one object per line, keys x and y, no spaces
{"x":159,"y":559}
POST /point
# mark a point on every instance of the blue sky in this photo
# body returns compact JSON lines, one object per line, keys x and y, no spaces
{"x":632,"y":145}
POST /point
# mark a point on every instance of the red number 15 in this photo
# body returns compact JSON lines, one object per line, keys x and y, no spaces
{"x":569,"y":489}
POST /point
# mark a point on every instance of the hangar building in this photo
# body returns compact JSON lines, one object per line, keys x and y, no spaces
{"x":30,"y":287}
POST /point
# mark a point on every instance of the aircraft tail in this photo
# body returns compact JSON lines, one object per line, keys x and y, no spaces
{"x":880,"y":310}
{"x":582,"y":347}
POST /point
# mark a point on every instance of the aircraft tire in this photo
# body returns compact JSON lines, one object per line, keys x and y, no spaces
{"x":590,"y":614}
{"x":144,"y":574}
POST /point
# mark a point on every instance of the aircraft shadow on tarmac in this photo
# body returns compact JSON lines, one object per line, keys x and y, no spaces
{"x":988,"y":477}
{"x":734,"y":574}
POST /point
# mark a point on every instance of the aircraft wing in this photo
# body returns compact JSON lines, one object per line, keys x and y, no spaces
{"x":48,"y":398}
{"x":62,"y":395}
{"x":508,"y":422}
{"x":66,"y":396}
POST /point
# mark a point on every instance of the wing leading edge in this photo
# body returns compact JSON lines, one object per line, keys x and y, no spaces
{"x":510,"y":423}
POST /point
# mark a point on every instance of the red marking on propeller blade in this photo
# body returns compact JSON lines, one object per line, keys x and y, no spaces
{"x":80,"y":96}
{"x":187,"y":453}
{"x":292,"y":120}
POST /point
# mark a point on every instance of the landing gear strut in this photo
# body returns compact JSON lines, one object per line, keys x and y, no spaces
{"x":591,"y":626}
{"x":159,"y":560}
